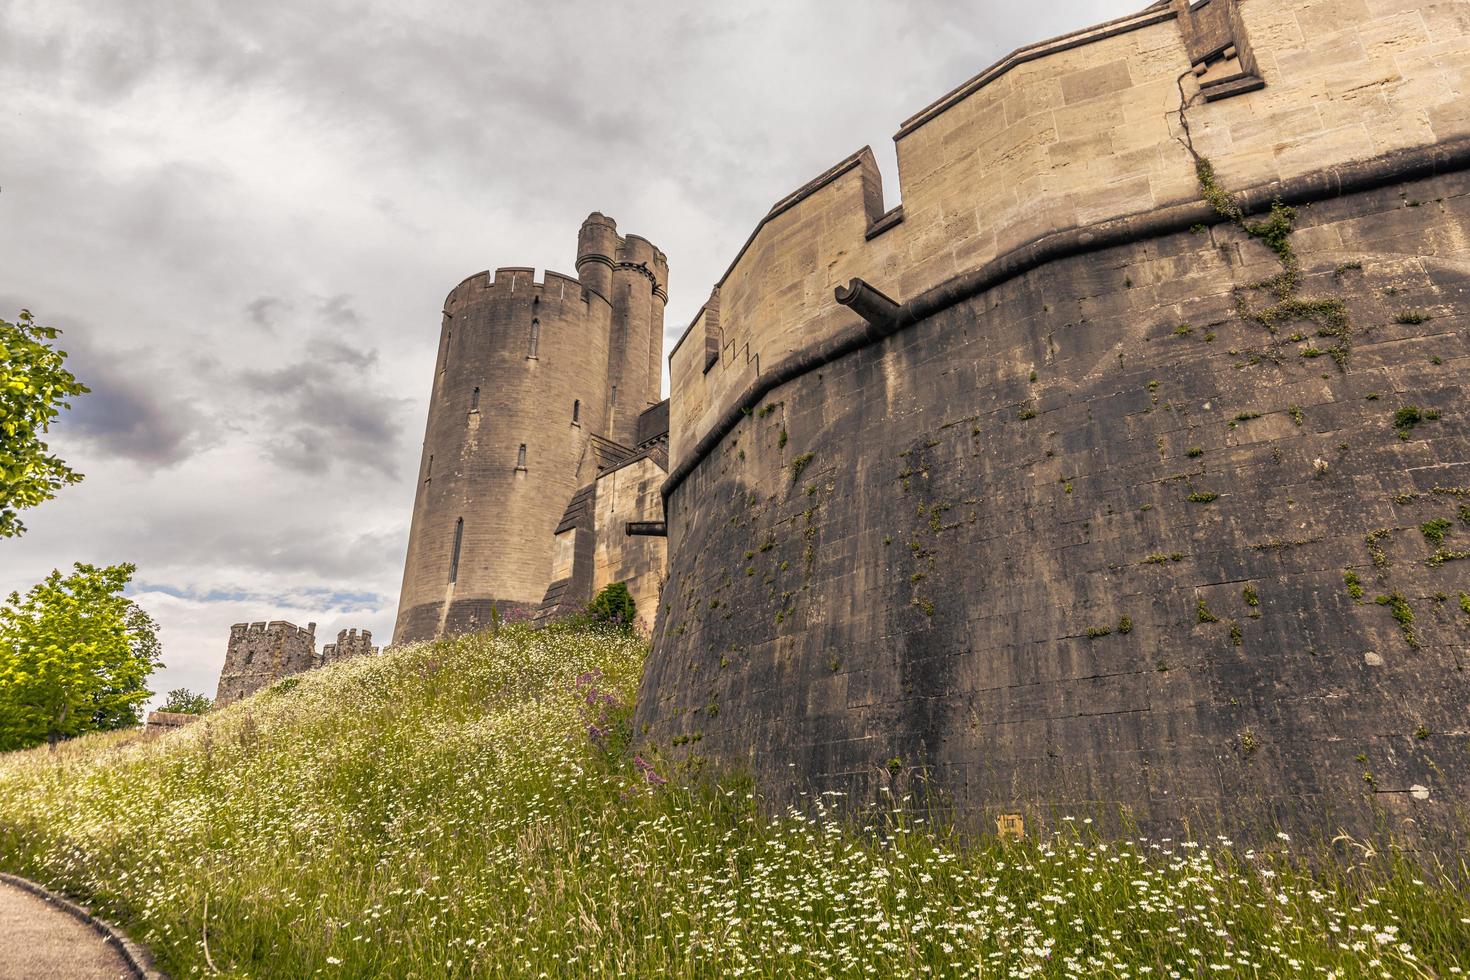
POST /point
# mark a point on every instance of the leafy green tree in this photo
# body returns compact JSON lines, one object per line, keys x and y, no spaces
{"x":185,"y":701}
{"x":613,"y":605}
{"x":75,"y":654}
{"x":34,"y":387}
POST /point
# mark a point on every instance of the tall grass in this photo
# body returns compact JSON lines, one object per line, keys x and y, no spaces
{"x":471,"y":808}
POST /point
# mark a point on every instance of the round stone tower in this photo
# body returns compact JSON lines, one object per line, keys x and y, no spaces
{"x":535,"y":385}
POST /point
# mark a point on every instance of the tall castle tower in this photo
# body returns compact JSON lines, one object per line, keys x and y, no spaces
{"x":537,"y":387}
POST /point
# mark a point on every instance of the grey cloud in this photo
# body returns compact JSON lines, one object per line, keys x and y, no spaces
{"x":338,"y":310}
{"x":335,"y":350}
{"x":328,"y":410}
{"x":131,"y":411}
{"x":265,"y":311}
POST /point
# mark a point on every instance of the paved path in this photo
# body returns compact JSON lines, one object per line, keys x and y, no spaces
{"x":40,"y":942}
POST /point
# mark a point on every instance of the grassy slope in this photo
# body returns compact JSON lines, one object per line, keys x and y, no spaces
{"x":446,"y":811}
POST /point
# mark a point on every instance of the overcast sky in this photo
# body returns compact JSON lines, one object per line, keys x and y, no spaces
{"x":245,"y":217}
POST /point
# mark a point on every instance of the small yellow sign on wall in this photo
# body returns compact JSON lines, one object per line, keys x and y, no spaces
{"x":1010,"y":825}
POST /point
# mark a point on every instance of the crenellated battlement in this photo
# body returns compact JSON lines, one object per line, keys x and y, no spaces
{"x":516,"y":282}
{"x":349,"y":644}
{"x":261,"y":653}
{"x":274,"y":626}
{"x":1069,"y":137}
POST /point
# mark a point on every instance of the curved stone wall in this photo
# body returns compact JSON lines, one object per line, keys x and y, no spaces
{"x":1102,"y":540}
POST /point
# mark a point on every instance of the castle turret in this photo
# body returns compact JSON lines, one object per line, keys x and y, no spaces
{"x":532,"y":381}
{"x":597,"y":248}
{"x":637,"y":325}
{"x":260,"y":654}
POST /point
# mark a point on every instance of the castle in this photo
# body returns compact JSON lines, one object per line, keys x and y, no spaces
{"x":1121,"y":470}
{"x":546,"y":438}
{"x":259,"y":654}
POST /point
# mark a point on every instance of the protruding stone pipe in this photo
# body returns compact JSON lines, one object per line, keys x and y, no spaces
{"x":869,"y":303}
{"x":647,"y":529}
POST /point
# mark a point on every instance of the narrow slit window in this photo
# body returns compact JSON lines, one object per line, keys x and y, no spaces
{"x":448,"y":337}
{"x":454,"y":556}
{"x":429,"y":469}
{"x":521,"y":457}
{"x":475,"y":400}
{"x":535,"y":344}
{"x":577,"y":411}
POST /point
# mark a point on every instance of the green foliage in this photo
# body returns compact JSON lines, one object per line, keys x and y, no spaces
{"x":1412,"y":317}
{"x":782,"y":439}
{"x":1407,"y":417}
{"x":1195,"y":452}
{"x":34,"y":388}
{"x":473,"y":808}
{"x":1375,"y":549}
{"x":1125,"y":625}
{"x":1354,"y":585}
{"x":1275,"y":231}
{"x":799,"y":465}
{"x":614,"y":606}
{"x":185,"y":701}
{"x":1203,"y":497}
{"x":1202,"y":613}
{"x":74,"y":657}
{"x":1465,"y":603}
{"x":1026,"y":414}
{"x":1215,"y":195}
{"x":1403,"y":613}
{"x":1093,"y":632}
{"x":1434,"y":531}
{"x":1249,"y":594}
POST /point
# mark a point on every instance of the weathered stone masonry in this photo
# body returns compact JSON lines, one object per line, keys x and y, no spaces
{"x":1083,"y":520}
{"x":539,"y":388}
{"x":259,"y":654}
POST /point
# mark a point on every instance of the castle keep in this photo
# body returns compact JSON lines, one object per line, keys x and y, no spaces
{"x":543,"y":392}
{"x":1121,"y":470}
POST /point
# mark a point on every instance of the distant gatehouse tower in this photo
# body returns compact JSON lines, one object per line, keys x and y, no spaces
{"x":539,"y":389}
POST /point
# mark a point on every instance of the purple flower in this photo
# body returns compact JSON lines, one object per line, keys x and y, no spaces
{"x":649,"y":775}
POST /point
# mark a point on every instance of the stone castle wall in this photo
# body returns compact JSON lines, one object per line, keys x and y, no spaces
{"x":1125,"y":584}
{"x":260,"y":654}
{"x":585,"y":378}
{"x":350,"y":643}
{"x":631,"y":493}
{"x":1068,"y":134}
{"x":1063,"y":524}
